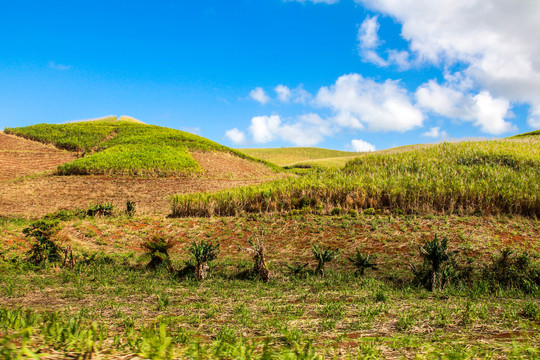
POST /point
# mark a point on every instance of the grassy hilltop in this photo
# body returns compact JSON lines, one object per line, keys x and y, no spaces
{"x":124,"y":146}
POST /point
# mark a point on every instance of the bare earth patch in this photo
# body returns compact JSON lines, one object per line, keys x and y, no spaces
{"x":35,"y":196}
{"x":19,"y":157}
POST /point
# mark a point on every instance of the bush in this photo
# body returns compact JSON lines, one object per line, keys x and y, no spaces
{"x":322,"y":257}
{"x":513,"y":270}
{"x":433,"y":274}
{"x":336,"y":211}
{"x":130,"y":208}
{"x":44,"y":248}
{"x":362,"y":262}
{"x":203,"y":252}
{"x":105,"y":209}
{"x":158,"y":249}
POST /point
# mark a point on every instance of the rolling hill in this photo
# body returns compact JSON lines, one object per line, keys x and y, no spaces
{"x":291,"y":156}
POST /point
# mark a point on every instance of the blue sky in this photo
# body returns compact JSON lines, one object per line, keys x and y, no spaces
{"x":343,"y":74}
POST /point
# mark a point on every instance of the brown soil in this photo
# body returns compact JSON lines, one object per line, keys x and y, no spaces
{"x":19,"y":157}
{"x":34,"y":196}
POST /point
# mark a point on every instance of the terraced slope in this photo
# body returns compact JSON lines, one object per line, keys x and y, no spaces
{"x":19,"y":157}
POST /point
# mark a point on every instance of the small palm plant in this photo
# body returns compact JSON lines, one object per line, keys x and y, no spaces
{"x":44,"y":248}
{"x":158,"y":249}
{"x":322,"y":257}
{"x":435,"y":254}
{"x":362,"y":262}
{"x":204,"y":252}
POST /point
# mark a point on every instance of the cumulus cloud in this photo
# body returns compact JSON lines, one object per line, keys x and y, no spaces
{"x":496,"y":40}
{"x":283,"y":93}
{"x":361,"y":146}
{"x":436,"y":133}
{"x":482,"y":109}
{"x":305,"y":130}
{"x":258,"y":94}
{"x":297,"y":95}
{"x":368,"y":42}
{"x":381,"y":106}
{"x":236,"y":136}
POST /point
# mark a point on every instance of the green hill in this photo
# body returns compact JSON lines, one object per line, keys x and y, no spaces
{"x":290,"y":156}
{"x":124,"y":146}
{"x":489,"y":177}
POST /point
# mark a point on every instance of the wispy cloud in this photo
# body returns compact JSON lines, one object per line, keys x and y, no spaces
{"x":56,"y":66}
{"x":258,"y":94}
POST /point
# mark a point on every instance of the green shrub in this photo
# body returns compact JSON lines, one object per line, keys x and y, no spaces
{"x":323,"y":256}
{"x":203,"y":252}
{"x":362,"y":262}
{"x":105,"y":209}
{"x":336,"y":211}
{"x":130,"y":208}
{"x":433,"y":274}
{"x":513,"y":270}
{"x":44,"y":249}
{"x":158,"y":249}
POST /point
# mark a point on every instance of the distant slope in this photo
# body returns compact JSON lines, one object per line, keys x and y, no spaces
{"x":125,"y":146}
{"x":294,"y":155}
{"x":532,"y":133}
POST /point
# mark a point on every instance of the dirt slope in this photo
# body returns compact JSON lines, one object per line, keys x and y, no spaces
{"x":37,"y":195}
{"x":20,"y":157}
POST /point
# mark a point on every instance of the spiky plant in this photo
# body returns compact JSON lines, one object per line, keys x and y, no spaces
{"x":323,"y":256}
{"x":435,"y":254}
{"x":157,"y":248}
{"x":362,"y":262}
{"x":203,"y":252}
{"x":297,"y":269}
{"x":257,"y":249}
{"x":44,"y":249}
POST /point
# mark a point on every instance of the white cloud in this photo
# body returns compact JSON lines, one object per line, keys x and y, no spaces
{"x":361,"y":145}
{"x":258,"y":94}
{"x":496,"y":40}
{"x":298,"y":95}
{"x":368,"y":42}
{"x":436,"y":133}
{"x":367,"y":33}
{"x":283,"y":93}
{"x":534,"y":117}
{"x":481,"y":109}
{"x":306,"y":130}
{"x":236,"y":136}
{"x":382,"y":106}
{"x":60,"y":67}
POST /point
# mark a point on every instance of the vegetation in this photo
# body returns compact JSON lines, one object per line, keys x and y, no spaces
{"x":157,"y":248}
{"x":203,"y":251}
{"x":257,"y":249}
{"x":107,"y":146}
{"x":323,"y":256}
{"x":309,"y":156}
{"x":479,"y":177}
{"x":435,"y":254}
{"x":362,"y":262}
{"x":44,"y":248}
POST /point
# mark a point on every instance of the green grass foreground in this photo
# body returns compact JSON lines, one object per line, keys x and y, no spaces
{"x":110,"y":305}
{"x":482,"y":177}
{"x":125,"y":147}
